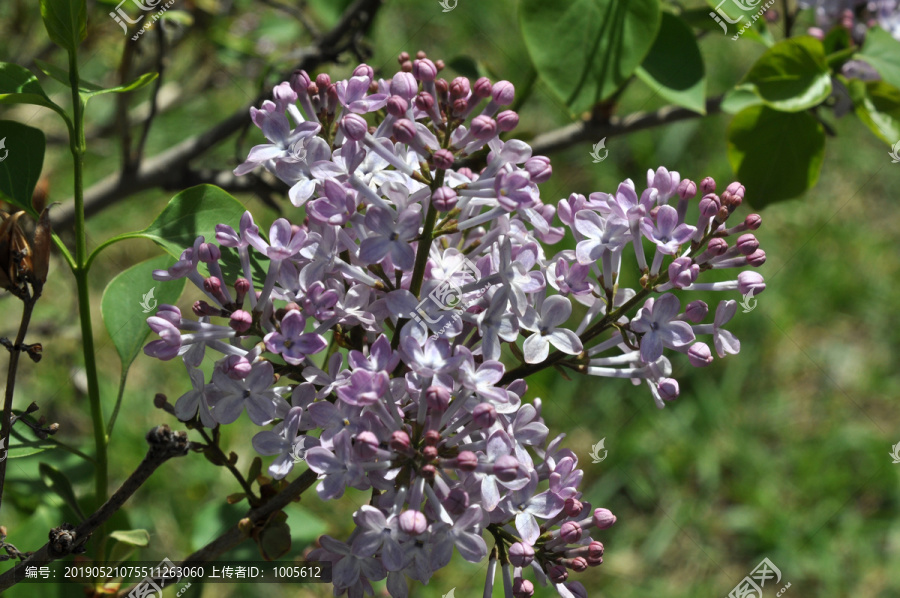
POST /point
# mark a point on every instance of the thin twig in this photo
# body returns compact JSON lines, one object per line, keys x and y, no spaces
{"x":154,"y":97}
{"x":164,"y":445}
{"x":6,"y":423}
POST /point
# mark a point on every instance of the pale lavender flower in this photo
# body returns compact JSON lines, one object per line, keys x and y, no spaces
{"x":548,"y":330}
{"x":656,"y":322}
{"x":292,"y":343}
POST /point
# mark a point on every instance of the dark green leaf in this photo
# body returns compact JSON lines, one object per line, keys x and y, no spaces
{"x":274,"y":539}
{"x":130,"y":298}
{"x":66,"y":22}
{"x":192,"y":213}
{"x":586,"y":49}
{"x":56,"y":481}
{"x":883,"y":52}
{"x":19,"y":86}
{"x":132,"y":537}
{"x":21,"y":161}
{"x":674,"y":67}
{"x":776,"y":155}
{"x":877,"y":105}
{"x":791,"y":76}
{"x":736,"y":100}
{"x":17,"y":451}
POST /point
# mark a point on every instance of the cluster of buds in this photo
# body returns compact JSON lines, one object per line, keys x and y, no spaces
{"x":856,"y":16}
{"x":374,"y":342}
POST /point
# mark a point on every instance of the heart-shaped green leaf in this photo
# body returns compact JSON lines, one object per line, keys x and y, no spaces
{"x":18,"y":85}
{"x":776,"y":155}
{"x":586,"y":49}
{"x":674,"y":67}
{"x":883,"y":52}
{"x":791,"y":76}
{"x":66,"y":22}
{"x":877,"y":104}
{"x":130,"y":298}
{"x":21,"y":161}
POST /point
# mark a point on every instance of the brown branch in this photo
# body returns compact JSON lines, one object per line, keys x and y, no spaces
{"x":66,"y":539}
{"x":166,"y":168}
{"x":590,"y":130}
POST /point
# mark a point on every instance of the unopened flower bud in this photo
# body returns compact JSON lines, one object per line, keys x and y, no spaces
{"x":709,"y":205}
{"x":482,"y":88}
{"x":522,"y":588}
{"x":413,"y":522}
{"x":683,"y":272}
{"x":209,"y":253}
{"x":432,"y":438}
{"x":573,"y":507}
{"x":460,"y":105}
{"x":578,"y":564}
{"x":603,"y":518}
{"x":570,"y":532}
{"x":747,"y":244}
{"x":323,"y":81}
{"x":437,"y":398}
{"x":354,"y":126}
{"x":507,"y":121}
{"x":467,"y":461}
{"x":696,"y":311}
{"x":424,"y":70}
{"x":236,"y":367}
{"x":241,"y":288}
{"x":404,"y":85}
{"x":424,"y":102}
{"x":366,"y":444}
{"x":506,"y":468}
{"x":503,"y":93}
{"x":444,"y":199}
{"x":396,"y":106}
{"x":484,"y":415}
{"x":404,"y":130}
{"x":595,"y":550}
{"x":521,"y":554}
{"x":299,"y":82}
{"x":753,"y":221}
{"x":364,"y":70}
{"x":430,"y":453}
{"x":687,"y":189}
{"x":483,"y":127}
{"x":757,"y":258}
{"x":460,"y":87}
{"x":558,"y":574}
{"x":428,"y":472}
{"x":708,"y":185}
{"x":443,"y":159}
{"x":668,"y":389}
{"x":749,"y":280}
{"x":699,"y":355}
{"x":400,"y":441}
{"x":240,"y":321}
{"x":539,"y":168}
{"x":457,"y":501}
{"x":403,"y":57}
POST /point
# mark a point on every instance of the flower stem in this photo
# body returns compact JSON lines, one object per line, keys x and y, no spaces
{"x":78,"y":146}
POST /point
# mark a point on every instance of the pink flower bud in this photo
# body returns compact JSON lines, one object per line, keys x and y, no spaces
{"x":522,"y":588}
{"x":323,"y":81}
{"x":736,"y":188}
{"x":521,"y":554}
{"x":430,"y":453}
{"x":503,"y":93}
{"x":539,"y":168}
{"x":507,"y":120}
{"x":424,"y":102}
{"x":578,"y":564}
{"x":603,"y":518}
{"x":595,"y":550}
{"x":484,"y":415}
{"x":749,"y":280}
{"x":467,"y":461}
{"x":300,"y":82}
{"x":457,"y":501}
{"x":443,"y":159}
{"x":696,"y":311}
{"x":404,"y":85}
{"x":397,"y":106}
{"x":753,"y":221}
{"x":424,"y":70}
{"x":208,"y":253}
{"x":240,"y":321}
{"x":687,"y":189}
{"x":364,"y":70}
{"x":558,"y":573}
{"x":683,"y":272}
{"x":437,"y":398}
{"x":573,"y":507}
{"x":366,"y":444}
{"x":444,"y":199}
{"x":699,"y":355}
{"x":747,"y":244}
{"x":354,"y":126}
{"x":400,"y":441}
{"x":757,"y":258}
{"x":404,"y":130}
{"x":506,"y":468}
{"x":460,"y":88}
{"x":484,"y":127}
{"x":709,"y":205}
{"x":716,"y":246}
{"x":708,"y":185}
{"x":413,"y":522}
{"x":482,"y":88}
{"x":460,"y":105}
{"x":432,"y":438}
{"x":570,"y":532}
{"x":668,"y":389}
{"x":236,"y":367}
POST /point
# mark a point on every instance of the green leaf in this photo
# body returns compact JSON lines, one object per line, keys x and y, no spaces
{"x":877,"y":104}
{"x":586,"y":49}
{"x":192,"y":213}
{"x":132,"y":537}
{"x":674,"y":66}
{"x":791,"y":76}
{"x":17,"y":451}
{"x":776,"y":155}
{"x":130,"y":298}
{"x":88,"y":89}
{"x":18,"y":85}
{"x":57,"y":481}
{"x":66,"y":22}
{"x":736,"y":100}
{"x":21,"y":161}
{"x":274,"y":540}
{"x":883,"y":52}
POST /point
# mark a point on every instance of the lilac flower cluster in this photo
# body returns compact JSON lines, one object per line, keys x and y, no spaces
{"x":857,"y":16}
{"x":371,"y":347}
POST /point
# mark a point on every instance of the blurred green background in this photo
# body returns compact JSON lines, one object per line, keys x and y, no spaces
{"x":779,"y":452}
